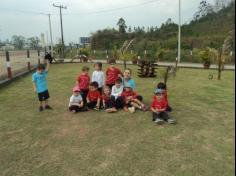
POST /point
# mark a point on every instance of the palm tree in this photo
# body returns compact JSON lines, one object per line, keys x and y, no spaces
{"x":122,"y":25}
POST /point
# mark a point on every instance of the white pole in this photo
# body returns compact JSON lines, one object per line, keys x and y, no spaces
{"x":50,"y":27}
{"x":179,"y":36}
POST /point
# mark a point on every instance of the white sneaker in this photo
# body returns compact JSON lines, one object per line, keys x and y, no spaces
{"x":131,"y":109}
{"x":159,"y":121}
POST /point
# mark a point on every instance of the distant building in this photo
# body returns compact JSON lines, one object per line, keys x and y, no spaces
{"x":85,"y":40}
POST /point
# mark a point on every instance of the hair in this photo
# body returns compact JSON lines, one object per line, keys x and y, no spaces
{"x":112,"y":61}
{"x":99,"y":64}
{"x":129,"y":69}
{"x":161,"y":85}
{"x":40,"y":67}
{"x":119,"y":80}
{"x":94,"y":84}
{"x":85,"y":68}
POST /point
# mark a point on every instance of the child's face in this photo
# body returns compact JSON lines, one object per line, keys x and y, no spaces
{"x":118,"y":84}
{"x":86,"y":71}
{"x":106,"y":91}
{"x":40,"y":71}
{"x":127,"y":74}
{"x":76,"y":94}
{"x":92,"y":88}
{"x":112,"y":65}
{"x":159,"y":96}
{"x":97,"y":67}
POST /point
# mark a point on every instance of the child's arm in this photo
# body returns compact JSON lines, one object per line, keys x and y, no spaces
{"x":103,"y":103}
{"x":81,"y":104}
{"x":98,"y":103}
{"x":34,"y":87}
{"x":153,"y":110}
{"x":48,"y":65}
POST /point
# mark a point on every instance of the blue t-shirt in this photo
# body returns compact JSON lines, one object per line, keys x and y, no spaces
{"x":130,"y":82}
{"x":40,"y":81}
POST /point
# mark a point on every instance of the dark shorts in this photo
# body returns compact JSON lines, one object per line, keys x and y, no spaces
{"x":43,"y":95}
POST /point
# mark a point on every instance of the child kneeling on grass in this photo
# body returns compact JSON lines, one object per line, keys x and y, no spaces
{"x":108,"y":100}
{"x":162,"y":87}
{"x":130,"y":100}
{"x":93,"y":97}
{"x":76,"y":101}
{"x":159,"y":107}
{"x":40,"y":85}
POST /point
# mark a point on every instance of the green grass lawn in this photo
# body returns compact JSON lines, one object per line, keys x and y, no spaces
{"x":58,"y":143}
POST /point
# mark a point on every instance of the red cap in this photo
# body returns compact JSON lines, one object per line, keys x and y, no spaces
{"x":76,"y":89}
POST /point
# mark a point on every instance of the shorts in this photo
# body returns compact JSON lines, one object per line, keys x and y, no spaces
{"x":43,"y":95}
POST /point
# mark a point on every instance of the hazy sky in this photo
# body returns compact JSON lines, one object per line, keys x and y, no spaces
{"x":16,"y":17}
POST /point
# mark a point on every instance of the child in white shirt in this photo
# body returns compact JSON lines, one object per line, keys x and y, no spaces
{"x":76,"y":101}
{"x":98,"y":76}
{"x":116,"y":92}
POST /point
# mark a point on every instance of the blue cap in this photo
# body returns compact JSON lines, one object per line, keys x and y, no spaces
{"x":158,"y":91}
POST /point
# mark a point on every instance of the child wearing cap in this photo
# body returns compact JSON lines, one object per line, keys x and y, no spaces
{"x":76,"y":101}
{"x":130,"y":100}
{"x":158,"y":108}
{"x":112,"y":74}
{"x":94,"y":96}
{"x":40,"y":85}
{"x":83,"y":81}
{"x":163,"y":89}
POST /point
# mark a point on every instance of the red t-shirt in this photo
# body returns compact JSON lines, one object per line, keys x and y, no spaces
{"x":159,"y":104}
{"x":112,"y":75}
{"x":83,"y":80}
{"x":126,"y":94}
{"x":93,"y":95}
{"x":106,"y":98}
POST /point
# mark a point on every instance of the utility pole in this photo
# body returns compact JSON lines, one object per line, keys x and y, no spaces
{"x":50,"y":29}
{"x":179,"y":36}
{"x":62,"y":39}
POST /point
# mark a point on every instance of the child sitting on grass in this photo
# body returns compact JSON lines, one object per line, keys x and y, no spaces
{"x":40,"y":85}
{"x":76,"y":101}
{"x":130,"y":100}
{"x":112,"y":74}
{"x":82,"y":82}
{"x":116,"y":92}
{"x":159,"y":107}
{"x":163,"y":89}
{"x":93,"y":97}
{"x":108,"y":101}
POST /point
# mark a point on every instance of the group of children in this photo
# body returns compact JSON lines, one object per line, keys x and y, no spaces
{"x":109,"y":91}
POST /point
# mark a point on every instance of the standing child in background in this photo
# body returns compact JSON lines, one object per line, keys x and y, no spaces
{"x":112,"y":74}
{"x":130,"y":100}
{"x":40,"y":85}
{"x":82,"y":82}
{"x":98,"y":76}
{"x":94,"y":96}
{"x":158,"y":108}
{"x":107,"y":100}
{"x":116,"y":92}
{"x":163,"y":89}
{"x":76,"y":101}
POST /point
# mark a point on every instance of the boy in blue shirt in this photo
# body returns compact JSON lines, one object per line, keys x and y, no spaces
{"x":40,"y":85}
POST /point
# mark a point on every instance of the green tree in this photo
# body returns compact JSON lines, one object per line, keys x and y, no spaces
{"x":33,"y":42}
{"x":122,"y":25}
{"x":18,"y":41}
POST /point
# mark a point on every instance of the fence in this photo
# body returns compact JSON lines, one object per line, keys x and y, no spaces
{"x":13,"y":63}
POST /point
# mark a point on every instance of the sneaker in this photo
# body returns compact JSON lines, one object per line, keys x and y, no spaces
{"x":40,"y":108}
{"x":131,"y":109}
{"x":144,"y":108}
{"x":96,"y":109}
{"x":48,"y":107}
{"x":159,"y":121}
{"x":74,"y":111}
{"x":171,"y":121}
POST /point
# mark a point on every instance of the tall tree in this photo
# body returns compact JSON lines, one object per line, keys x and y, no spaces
{"x":122,"y":26}
{"x":33,"y":42}
{"x":18,"y":41}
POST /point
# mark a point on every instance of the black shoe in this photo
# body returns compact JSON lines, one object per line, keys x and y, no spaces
{"x":40,"y":108}
{"x":48,"y":107}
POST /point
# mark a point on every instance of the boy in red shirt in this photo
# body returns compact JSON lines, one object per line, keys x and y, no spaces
{"x":82,"y":82}
{"x":112,"y":74}
{"x":130,"y":100}
{"x":94,"y":96}
{"x":158,"y":107}
{"x":162,"y":87}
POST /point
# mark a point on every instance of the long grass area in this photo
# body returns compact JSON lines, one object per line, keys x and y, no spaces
{"x":58,"y":143}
